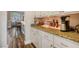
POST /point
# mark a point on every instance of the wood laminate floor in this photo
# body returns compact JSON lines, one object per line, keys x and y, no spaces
{"x":29,"y":46}
{"x":19,"y":43}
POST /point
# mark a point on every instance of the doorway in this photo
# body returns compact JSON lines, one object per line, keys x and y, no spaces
{"x":15,"y":29}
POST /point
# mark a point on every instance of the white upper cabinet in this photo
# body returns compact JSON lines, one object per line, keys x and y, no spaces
{"x":53,"y":13}
{"x":45,"y":13}
{"x":68,"y":12}
{"x":49,"y":13}
{"x":37,"y":14}
{"x":41,"y":13}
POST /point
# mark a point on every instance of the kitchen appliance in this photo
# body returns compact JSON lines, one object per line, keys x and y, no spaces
{"x":65,"y":24}
{"x":77,"y":28}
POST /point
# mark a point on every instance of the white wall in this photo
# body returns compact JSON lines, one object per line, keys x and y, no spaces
{"x":3,"y":29}
{"x":0,"y":31}
{"x":74,"y":19}
{"x":28,"y":19}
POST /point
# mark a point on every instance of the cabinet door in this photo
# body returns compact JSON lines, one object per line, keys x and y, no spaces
{"x":37,"y":14}
{"x":47,"y":40}
{"x":44,"y":13}
{"x":37,"y":38}
{"x":70,"y":44}
{"x":47,"y":43}
{"x":61,"y":42}
{"x":34,"y":37}
{"x":40,"y":39}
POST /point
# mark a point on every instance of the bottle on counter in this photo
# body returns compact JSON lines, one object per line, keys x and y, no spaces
{"x":53,"y":24}
{"x":57,"y":24}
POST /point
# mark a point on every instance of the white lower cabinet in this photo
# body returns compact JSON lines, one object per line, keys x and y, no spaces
{"x":61,"y":42}
{"x":43,"y":39}
{"x":47,"y":43}
{"x":34,"y":37}
{"x":58,"y":42}
{"x":47,"y":40}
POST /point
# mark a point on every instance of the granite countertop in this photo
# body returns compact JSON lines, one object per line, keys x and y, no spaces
{"x":68,"y":35}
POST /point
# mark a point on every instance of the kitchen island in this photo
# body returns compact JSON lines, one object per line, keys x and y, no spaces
{"x":69,"y":35}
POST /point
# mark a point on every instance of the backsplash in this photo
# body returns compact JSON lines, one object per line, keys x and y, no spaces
{"x":52,"y":21}
{"x":55,"y":21}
